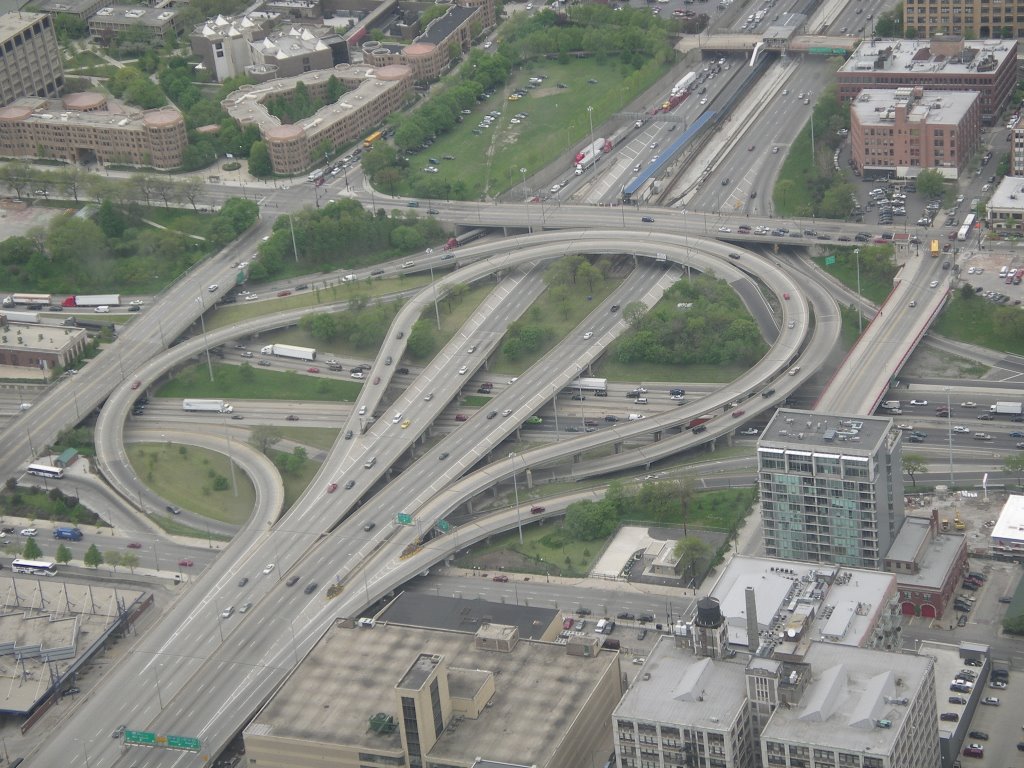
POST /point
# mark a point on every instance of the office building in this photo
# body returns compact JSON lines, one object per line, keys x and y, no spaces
{"x":224,"y":43}
{"x":929,"y":564}
{"x":112,"y":20}
{"x":898,"y":133}
{"x":1008,"y":532}
{"x":694,"y":703}
{"x":29,"y":57}
{"x":370,"y":96}
{"x":80,"y":9}
{"x":854,"y":707}
{"x":831,"y":487}
{"x":1005,"y":208}
{"x":950,"y":63}
{"x":778,"y":607}
{"x":40,"y":347}
{"x":431,"y":697}
{"x":971,"y":18}
{"x":89,"y":127}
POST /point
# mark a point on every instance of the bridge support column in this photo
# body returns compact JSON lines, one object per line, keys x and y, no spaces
{"x":529,"y":479}
{"x":729,"y":440}
{"x":657,"y":436}
{"x":616,"y":448}
{"x":577,"y":458}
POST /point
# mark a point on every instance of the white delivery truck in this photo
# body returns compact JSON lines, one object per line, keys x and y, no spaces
{"x":287,"y":350}
{"x":207,"y":405}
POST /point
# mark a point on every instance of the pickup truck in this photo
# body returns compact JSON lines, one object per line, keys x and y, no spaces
{"x":981,"y":436}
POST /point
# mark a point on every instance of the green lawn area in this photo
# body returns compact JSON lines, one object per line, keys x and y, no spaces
{"x":795,"y":199}
{"x":546,"y":549}
{"x":252,"y":383}
{"x":83,"y":59}
{"x":296,"y":482}
{"x":475,"y":401}
{"x":872,"y":286}
{"x":319,"y":293}
{"x":315,"y":437}
{"x":188,"y":476}
{"x":980,"y":322}
{"x":488,"y":164}
{"x":610,"y":368}
{"x":561,"y":319}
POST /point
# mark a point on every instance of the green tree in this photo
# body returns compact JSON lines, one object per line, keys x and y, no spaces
{"x":63,"y":555}
{"x":130,"y":561}
{"x":930,"y":183}
{"x":913,"y":464}
{"x":112,"y":558}
{"x":259,"y":160}
{"x":93,"y":558}
{"x":694,"y":555}
{"x":1014,"y":624}
{"x":590,"y":520}
{"x":635,"y":312}
{"x":264,"y":436}
{"x":31,"y":550}
{"x":110,"y":220}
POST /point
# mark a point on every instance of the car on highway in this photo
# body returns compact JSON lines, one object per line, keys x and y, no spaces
{"x":991,"y":701}
{"x":134,"y":545}
{"x":213,"y":288}
{"x":29,"y":532}
{"x":243,"y":581}
{"x":492,"y":414}
{"x":428,"y":397}
{"x":444,"y":455}
{"x":311,"y":588}
{"x":748,"y":431}
{"x":737,"y":413}
{"x":267,"y":363}
{"x":979,"y":735}
{"x":376,"y":379}
{"x":919,"y":402}
{"x":268,"y":568}
{"x":588,"y":335}
{"x":725,"y":229}
{"x":118,"y":732}
{"x":291,"y":417}
{"x":785,"y":296}
{"x":647,"y":219}
{"x":961,"y":429}
{"x":933,"y":284}
{"x":70,"y":691}
{"x":501,"y":577}
{"x":312,"y":369}
{"x":405,"y":424}
{"x":245,"y":607}
{"x":292,"y":581}
{"x":135,"y":385}
{"x":332,"y":487}
{"x":357,"y":375}
{"x":462,"y":370}
{"x":461,"y":417}
{"x":536,"y":509}
{"x":968,"y":404}
{"x":185,"y":563}
{"x":507,"y":412}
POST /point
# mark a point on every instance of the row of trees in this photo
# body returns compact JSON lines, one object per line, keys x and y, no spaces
{"x":363,"y":326}
{"x":113,"y":251}
{"x":93,"y":558}
{"x":714,"y":330}
{"x":344,"y":233}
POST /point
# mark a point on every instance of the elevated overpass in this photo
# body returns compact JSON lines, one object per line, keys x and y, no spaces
{"x":860,"y":382}
{"x":735,"y":42}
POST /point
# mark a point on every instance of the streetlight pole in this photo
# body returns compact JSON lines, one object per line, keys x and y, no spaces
{"x":515,"y":485}
{"x":590,"y":116}
{"x":554,"y":404}
{"x":529,"y":226}
{"x":860,"y":314}
{"x":202,"y":322}
{"x":433,"y":285}
{"x":295,"y":249}
{"x":949,"y":429}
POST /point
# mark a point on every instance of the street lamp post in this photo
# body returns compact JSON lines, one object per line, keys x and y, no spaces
{"x":554,"y":404}
{"x":526,"y":199}
{"x":515,"y":485}
{"x":202,"y":322}
{"x":949,"y":428}
{"x":590,"y":116}
{"x":433,"y":285}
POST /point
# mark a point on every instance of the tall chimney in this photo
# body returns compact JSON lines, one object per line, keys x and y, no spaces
{"x":753,"y":639}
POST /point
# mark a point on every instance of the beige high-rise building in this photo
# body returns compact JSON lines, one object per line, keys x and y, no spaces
{"x":29,"y":57}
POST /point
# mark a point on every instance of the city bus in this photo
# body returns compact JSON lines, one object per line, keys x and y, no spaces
{"x":372,"y":138}
{"x":38,"y":567}
{"x":965,"y":230}
{"x":44,"y":470}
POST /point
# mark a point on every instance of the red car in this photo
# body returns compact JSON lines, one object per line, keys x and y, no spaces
{"x":785,"y":296}
{"x":284,"y":293}
{"x":461,"y":417}
{"x":312,"y":369}
{"x":332,"y":487}
{"x":134,"y":545}
{"x":136,"y":384}
{"x":185,"y":563}
{"x":376,"y":379}
{"x":568,"y":623}
{"x":501,"y":578}
{"x":536,"y":510}
{"x":737,"y":413}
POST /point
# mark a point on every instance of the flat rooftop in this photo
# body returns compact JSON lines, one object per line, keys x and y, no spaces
{"x":1008,"y":194}
{"x":40,"y":338}
{"x":674,"y":685}
{"x":877,"y":106}
{"x":938,"y":556}
{"x":439,"y":29}
{"x":829,"y":433}
{"x":803,"y":602}
{"x":540,"y":690}
{"x":917,"y":57}
{"x":133,"y":14}
{"x":44,"y":621}
{"x":849,"y":690}
{"x":1010,"y":525}
{"x":468,"y":615}
{"x":13,"y":22}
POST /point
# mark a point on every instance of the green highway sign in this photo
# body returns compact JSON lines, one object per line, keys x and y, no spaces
{"x":183,"y":742}
{"x":145,"y":738}
{"x":444,"y":526}
{"x":404,"y":519}
{"x":830,"y":260}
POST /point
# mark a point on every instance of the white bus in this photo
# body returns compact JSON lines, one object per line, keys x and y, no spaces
{"x":38,"y":567}
{"x":965,"y":230}
{"x":44,"y":470}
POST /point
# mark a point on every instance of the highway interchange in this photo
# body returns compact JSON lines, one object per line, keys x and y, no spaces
{"x":208,"y":675}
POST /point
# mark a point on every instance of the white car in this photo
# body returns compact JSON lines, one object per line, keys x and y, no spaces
{"x":397,"y":417}
{"x":136,"y":302}
{"x":588,"y":335}
{"x":748,"y":431}
{"x":29,"y":532}
{"x":968,"y":404}
{"x":357,"y":375}
{"x":251,"y":297}
{"x":724,"y":229}
{"x":555,"y":188}
{"x":462,"y":370}
{"x":992,"y":701}
{"x":933,"y":284}
{"x":961,"y":430}
{"x":919,"y":402}
{"x":362,"y":410}
{"x":269,"y":569}
{"x":507,"y":412}
{"x":213,"y":288}
{"x":226,"y":613}
{"x":429,"y":396}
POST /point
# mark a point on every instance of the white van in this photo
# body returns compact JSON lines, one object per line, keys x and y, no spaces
{"x":103,"y":308}
{"x":601,"y":624}
{"x":1003,"y":270}
{"x":370,"y":463}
